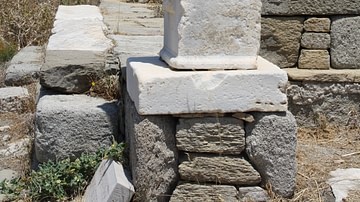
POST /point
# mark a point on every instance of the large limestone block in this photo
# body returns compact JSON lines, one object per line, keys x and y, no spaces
{"x":109,"y":183}
{"x":25,"y":66}
{"x":271,"y":147}
{"x":76,"y":51}
{"x":345,"y":43}
{"x":194,"y":193}
{"x":152,"y":154}
{"x":310,"y":7}
{"x":157,"y":89}
{"x":315,"y":41}
{"x":280,"y":40}
{"x":216,"y":35}
{"x":224,"y":135}
{"x":69,"y":125}
{"x":14,"y":99}
{"x":219,"y":170}
{"x":314,"y":59}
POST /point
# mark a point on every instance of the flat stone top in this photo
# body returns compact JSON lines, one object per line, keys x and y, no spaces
{"x":29,"y":54}
{"x":13,"y":92}
{"x":73,"y":103}
{"x":79,"y":12}
{"x":332,"y":75}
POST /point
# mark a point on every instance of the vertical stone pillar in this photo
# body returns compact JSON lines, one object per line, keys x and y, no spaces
{"x":216,"y":34}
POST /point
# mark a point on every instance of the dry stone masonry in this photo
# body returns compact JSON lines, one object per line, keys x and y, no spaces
{"x":187,"y":130}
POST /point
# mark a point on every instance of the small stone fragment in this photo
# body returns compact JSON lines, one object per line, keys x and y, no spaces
{"x":253,"y":194}
{"x":314,"y":59}
{"x":317,"y":25}
{"x":315,"y":40}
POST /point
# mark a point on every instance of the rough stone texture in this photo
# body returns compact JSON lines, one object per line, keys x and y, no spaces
{"x":314,"y":59}
{"x":109,"y":183}
{"x":14,"y":99}
{"x":253,"y":194}
{"x":224,"y":135}
{"x":335,"y":76}
{"x":219,"y":170}
{"x":153,"y":154}
{"x":16,"y":155}
{"x":317,"y":25}
{"x":75,"y":53}
{"x":280,"y":40}
{"x":315,"y":40}
{"x":69,"y":125}
{"x":25,"y":66}
{"x":149,"y":79}
{"x":271,"y":147}
{"x":8,"y":174}
{"x":216,"y":35}
{"x":315,"y":104}
{"x":310,"y":7}
{"x":345,"y":43}
{"x":194,"y":193}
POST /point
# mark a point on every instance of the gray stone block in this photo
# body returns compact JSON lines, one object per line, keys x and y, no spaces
{"x":109,"y":183}
{"x":218,"y":170}
{"x":253,"y":194}
{"x":25,"y":66}
{"x":280,"y":40}
{"x":314,"y":59}
{"x":310,"y":7}
{"x":345,"y":43}
{"x":317,"y":25}
{"x":317,"y":103}
{"x":195,"y":192}
{"x":224,"y":135}
{"x":271,"y":147}
{"x":315,"y":40}
{"x":153,"y":154}
{"x":69,"y":125}
{"x":14,"y":99}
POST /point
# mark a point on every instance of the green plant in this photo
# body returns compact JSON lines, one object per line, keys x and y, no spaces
{"x":62,"y":180}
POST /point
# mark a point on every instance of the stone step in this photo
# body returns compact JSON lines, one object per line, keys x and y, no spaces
{"x":224,"y":135}
{"x":68,"y":125}
{"x":76,"y":51}
{"x":219,"y":170}
{"x":14,"y":99}
{"x":25,"y":66}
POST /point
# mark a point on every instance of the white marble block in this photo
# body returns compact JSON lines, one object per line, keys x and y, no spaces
{"x":216,"y":34}
{"x":157,"y":89}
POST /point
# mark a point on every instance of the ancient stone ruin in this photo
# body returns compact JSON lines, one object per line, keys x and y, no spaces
{"x":187,"y":129}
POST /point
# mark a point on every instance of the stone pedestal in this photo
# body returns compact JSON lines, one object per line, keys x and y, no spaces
{"x":216,"y":35}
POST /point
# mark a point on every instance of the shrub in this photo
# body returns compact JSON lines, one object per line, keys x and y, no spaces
{"x":62,"y":180}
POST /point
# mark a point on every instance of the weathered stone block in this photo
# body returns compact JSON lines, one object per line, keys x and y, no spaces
{"x":345,"y":43}
{"x":69,"y":125}
{"x":153,"y":154}
{"x":271,"y":147}
{"x":310,"y":7}
{"x":216,"y":35}
{"x":317,"y":25}
{"x":149,"y":79}
{"x":224,"y":135}
{"x":316,"y":104}
{"x":109,"y":183}
{"x":219,"y":170}
{"x":254,"y":194}
{"x":280,"y":40}
{"x":315,"y":40}
{"x":14,"y":99}
{"x":25,"y":66}
{"x":314,"y":59}
{"x":194,"y":193}
{"x":75,"y":54}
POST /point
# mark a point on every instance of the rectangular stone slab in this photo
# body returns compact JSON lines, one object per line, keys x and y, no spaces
{"x":156,"y":89}
{"x":218,"y":170}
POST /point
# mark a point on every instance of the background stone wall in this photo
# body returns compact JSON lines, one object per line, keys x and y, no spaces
{"x":311,"y":34}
